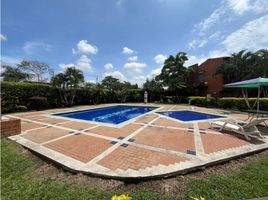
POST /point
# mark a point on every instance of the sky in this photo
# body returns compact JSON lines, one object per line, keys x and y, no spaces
{"x":128,"y":39}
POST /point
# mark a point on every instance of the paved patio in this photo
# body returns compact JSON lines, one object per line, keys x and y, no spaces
{"x":150,"y":146}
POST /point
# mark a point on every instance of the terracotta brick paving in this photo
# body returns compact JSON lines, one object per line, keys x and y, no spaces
{"x":77,"y":125}
{"x":44,"y":134}
{"x":29,"y":125}
{"x":115,"y":132}
{"x":146,"y":118}
{"x":52,"y":120}
{"x":168,"y":122}
{"x":84,"y":148}
{"x":136,"y":158}
{"x":29,"y":114}
{"x":204,"y":126}
{"x":166,"y":107}
{"x":171,"y":139}
{"x":80,"y":147}
{"x":213,"y":143}
{"x":35,"y":117}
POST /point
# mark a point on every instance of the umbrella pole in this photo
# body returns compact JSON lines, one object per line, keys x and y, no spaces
{"x":258,"y":102}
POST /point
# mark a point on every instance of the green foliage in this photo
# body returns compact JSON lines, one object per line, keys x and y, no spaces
{"x":173,"y":74}
{"x":202,"y":101}
{"x":13,"y":74}
{"x":70,"y":78}
{"x":245,"y":65}
{"x":114,"y":84}
{"x":239,"y":103}
{"x":37,"y":103}
{"x":16,"y":96}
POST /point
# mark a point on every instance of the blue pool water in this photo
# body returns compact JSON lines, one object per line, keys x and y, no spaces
{"x":187,"y":115}
{"x":112,"y":115}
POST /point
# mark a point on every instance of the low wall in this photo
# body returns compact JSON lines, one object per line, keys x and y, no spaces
{"x":10,"y":127}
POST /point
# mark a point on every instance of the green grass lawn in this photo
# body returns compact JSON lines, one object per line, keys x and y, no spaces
{"x":20,"y":181}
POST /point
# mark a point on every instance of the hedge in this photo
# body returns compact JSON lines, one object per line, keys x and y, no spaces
{"x":202,"y":101}
{"x":240,"y":104}
{"x":227,"y":102}
{"x":15,"y":96}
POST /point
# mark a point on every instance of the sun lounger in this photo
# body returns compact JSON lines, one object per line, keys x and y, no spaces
{"x":245,"y":128}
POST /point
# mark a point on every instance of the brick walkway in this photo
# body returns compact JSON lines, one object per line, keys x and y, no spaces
{"x":151,"y":145}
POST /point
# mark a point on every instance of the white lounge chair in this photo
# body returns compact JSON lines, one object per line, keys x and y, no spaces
{"x":244,"y":128}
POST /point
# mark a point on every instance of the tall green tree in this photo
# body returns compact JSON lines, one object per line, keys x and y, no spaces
{"x":174,"y":74}
{"x":262,"y":62}
{"x":40,"y":70}
{"x":74,"y":77}
{"x":152,"y":85}
{"x":60,"y":80}
{"x":13,"y":74}
{"x":244,"y":65}
{"x":68,"y":80}
{"x":111,"y":83}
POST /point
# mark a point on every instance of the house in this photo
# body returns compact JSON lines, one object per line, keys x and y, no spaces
{"x":204,"y":80}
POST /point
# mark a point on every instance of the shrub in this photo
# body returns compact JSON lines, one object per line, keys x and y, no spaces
{"x":202,"y":101}
{"x":37,"y":103}
{"x":17,"y":96}
{"x":240,"y":104}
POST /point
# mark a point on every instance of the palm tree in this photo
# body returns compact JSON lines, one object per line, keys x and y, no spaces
{"x":70,"y":78}
{"x":262,"y":61}
{"x":59,"y":80}
{"x":239,"y":67}
{"x":73,"y":76}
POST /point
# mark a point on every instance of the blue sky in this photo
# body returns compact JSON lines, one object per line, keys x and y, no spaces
{"x":128,"y":39}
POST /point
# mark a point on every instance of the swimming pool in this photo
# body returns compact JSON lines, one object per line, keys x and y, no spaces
{"x":190,"y":116}
{"x":111,"y":115}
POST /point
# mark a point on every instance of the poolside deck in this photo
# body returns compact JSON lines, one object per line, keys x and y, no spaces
{"x":150,"y":146}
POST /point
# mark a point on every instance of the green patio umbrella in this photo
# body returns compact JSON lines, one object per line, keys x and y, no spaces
{"x":258,"y":83}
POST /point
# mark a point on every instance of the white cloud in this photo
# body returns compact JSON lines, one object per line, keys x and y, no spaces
{"x":214,"y":18}
{"x":242,"y":6}
{"x":139,"y":80}
{"x":8,"y":60}
{"x":83,"y":63}
{"x":135,"y":66}
{"x":115,"y":74}
{"x":160,"y":59}
{"x":108,"y":66}
{"x":3,"y":37}
{"x":84,"y":47}
{"x":64,"y":66}
{"x":252,"y":36}
{"x":228,"y":10}
{"x":195,"y":44}
{"x":127,"y":51}
{"x":133,"y":58}
{"x":216,"y":36}
{"x":195,"y":60}
{"x":32,"y":47}
{"x":239,"y":6}
{"x":155,"y":72}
